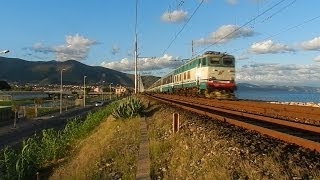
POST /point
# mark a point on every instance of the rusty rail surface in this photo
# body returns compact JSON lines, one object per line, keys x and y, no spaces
{"x":304,"y":135}
{"x":304,"y":114}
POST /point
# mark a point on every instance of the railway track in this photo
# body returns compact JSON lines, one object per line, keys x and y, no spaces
{"x":301,"y":134}
{"x":307,"y":115}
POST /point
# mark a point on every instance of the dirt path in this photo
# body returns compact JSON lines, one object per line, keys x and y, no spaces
{"x":143,"y":171}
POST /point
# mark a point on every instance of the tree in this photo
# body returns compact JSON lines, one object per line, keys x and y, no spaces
{"x":4,"y":86}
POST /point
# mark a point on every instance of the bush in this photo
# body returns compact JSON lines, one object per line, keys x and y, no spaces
{"x":131,"y":107}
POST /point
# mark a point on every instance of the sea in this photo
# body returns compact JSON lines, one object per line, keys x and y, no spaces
{"x":279,"y":96}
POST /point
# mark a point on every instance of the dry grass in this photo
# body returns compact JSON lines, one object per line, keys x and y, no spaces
{"x":109,"y":152}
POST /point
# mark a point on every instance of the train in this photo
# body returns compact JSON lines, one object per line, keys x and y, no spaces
{"x":211,"y":74}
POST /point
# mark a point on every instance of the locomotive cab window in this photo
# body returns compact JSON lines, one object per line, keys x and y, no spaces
{"x":204,"y":61}
{"x":213,"y":61}
{"x":228,"y":61}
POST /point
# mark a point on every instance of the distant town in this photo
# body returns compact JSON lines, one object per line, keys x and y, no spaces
{"x":8,"y":91}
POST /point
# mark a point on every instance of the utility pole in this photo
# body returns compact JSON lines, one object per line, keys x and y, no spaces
{"x":102,"y":99}
{"x":84,"y":91}
{"x":110,"y":91}
{"x":138,"y":81}
{"x":61,"y":90}
{"x":135,"y":50}
{"x":135,"y":63}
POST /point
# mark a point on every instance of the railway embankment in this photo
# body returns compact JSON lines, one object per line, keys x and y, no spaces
{"x":202,"y":148}
{"x":209,"y":149}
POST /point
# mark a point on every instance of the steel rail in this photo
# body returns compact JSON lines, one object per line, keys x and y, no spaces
{"x":306,"y":143}
{"x":287,"y":123}
{"x":260,"y":110}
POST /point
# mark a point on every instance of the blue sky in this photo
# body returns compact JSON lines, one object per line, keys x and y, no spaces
{"x":281,"y":46}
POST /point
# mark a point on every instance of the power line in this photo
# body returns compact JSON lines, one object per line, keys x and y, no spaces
{"x":185,"y":24}
{"x":237,"y":29}
{"x":280,"y":10}
{"x":285,"y":30}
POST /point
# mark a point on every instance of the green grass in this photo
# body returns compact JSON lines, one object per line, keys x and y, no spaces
{"x":40,"y":151}
{"x":113,"y":154}
{"x":122,"y":154}
{"x":17,"y":102}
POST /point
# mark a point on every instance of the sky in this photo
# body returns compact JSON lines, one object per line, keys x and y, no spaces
{"x":274,"y":41}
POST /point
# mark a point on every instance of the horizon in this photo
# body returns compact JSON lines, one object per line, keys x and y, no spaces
{"x":269,"y":47}
{"x":132,"y":73}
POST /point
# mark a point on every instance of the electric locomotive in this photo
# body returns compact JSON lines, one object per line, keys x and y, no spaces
{"x":212,"y":75}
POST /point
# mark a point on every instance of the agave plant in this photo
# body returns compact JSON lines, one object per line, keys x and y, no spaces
{"x":131,"y":107}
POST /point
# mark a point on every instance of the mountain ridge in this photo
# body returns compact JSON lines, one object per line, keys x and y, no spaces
{"x":16,"y":70}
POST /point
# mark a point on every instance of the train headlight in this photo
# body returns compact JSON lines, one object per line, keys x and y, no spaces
{"x":212,"y":78}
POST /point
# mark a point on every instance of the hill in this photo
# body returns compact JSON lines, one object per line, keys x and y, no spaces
{"x":16,"y":70}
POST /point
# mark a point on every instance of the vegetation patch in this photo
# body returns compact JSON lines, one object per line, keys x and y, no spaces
{"x":128,"y":108}
{"x":109,"y":153}
{"x":16,"y":102}
{"x":47,"y":148}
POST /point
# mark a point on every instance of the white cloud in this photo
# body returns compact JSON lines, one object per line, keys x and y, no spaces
{"x":317,"y":58}
{"x":269,"y":47}
{"x":144,"y":64}
{"x":123,"y":65}
{"x":285,"y":74}
{"x":115,"y":49}
{"x":313,"y":44}
{"x":39,"y":47}
{"x":232,"y":2}
{"x":75,"y":48}
{"x":175,"y":16}
{"x":243,"y":57}
{"x":224,"y":34}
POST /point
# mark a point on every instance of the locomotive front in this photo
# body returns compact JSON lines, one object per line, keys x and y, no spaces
{"x":220,"y":75}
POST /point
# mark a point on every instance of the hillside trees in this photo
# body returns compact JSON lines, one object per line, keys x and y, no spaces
{"x":4,"y":86}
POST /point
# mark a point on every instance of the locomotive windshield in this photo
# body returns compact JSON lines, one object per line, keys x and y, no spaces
{"x":228,"y":61}
{"x":213,"y":61}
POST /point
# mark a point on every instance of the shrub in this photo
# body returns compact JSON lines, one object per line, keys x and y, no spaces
{"x":8,"y":159}
{"x":129,"y":108}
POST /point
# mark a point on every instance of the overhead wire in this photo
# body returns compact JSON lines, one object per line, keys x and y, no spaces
{"x":280,"y":10}
{"x":285,"y":30}
{"x":245,"y":24}
{"x":185,"y":24}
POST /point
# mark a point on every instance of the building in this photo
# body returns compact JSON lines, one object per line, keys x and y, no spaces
{"x":121,"y":91}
